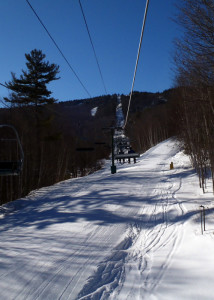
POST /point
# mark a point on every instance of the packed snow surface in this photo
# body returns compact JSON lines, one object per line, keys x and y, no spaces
{"x":135,"y":234}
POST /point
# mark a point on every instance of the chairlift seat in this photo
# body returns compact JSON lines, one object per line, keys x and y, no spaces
{"x":85,"y":149}
{"x":100,"y":143}
{"x":10,"y":168}
{"x":127,"y":155}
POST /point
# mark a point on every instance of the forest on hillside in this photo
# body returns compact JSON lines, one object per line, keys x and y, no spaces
{"x":51,"y":133}
{"x":152,"y":118}
{"x":50,"y":146}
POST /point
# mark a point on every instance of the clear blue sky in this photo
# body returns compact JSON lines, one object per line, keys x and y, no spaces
{"x":115,"y":27}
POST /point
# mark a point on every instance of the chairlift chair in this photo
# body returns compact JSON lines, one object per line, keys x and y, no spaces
{"x":85,"y":149}
{"x":127,"y":155}
{"x":100,"y":143}
{"x":12,"y":166}
{"x":130,"y":154}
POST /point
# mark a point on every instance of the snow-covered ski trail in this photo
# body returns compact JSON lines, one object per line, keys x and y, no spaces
{"x":106,"y":236}
{"x":119,"y":113}
{"x":150,"y":236}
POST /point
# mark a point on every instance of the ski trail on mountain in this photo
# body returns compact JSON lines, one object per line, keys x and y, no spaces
{"x":119,"y":112}
{"x":132,"y":262}
{"x":104,"y":236}
{"x":160,"y":241}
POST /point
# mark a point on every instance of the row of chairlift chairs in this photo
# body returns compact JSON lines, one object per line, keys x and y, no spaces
{"x":11,"y":146}
{"x":123,"y":150}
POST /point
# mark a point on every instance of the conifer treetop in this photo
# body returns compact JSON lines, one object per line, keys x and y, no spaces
{"x":31,"y":87}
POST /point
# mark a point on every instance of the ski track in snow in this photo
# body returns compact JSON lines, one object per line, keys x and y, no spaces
{"x":147,"y":243}
{"x":99,"y":237}
{"x":143,"y":245}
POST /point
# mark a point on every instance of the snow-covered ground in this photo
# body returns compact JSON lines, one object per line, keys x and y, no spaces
{"x":94,"y":111}
{"x":119,"y":112}
{"x":132,"y":235}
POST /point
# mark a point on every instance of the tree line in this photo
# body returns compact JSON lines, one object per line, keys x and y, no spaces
{"x":151,"y":119}
{"x":194,"y":61}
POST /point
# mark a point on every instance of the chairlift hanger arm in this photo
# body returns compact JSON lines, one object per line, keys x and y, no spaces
{"x":17,"y":138}
{"x":12,"y":167}
{"x":85,"y":149}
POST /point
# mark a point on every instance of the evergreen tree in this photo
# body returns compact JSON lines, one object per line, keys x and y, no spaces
{"x":31,"y":87}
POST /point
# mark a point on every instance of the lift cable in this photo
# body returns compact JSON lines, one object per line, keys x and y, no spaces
{"x":92,"y":44}
{"x":138,"y":55}
{"x":58,"y":48}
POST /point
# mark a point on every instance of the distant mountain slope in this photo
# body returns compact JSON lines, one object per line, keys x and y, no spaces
{"x":78,"y":112}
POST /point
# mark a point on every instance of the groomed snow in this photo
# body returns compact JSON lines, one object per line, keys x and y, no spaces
{"x":132,"y":235}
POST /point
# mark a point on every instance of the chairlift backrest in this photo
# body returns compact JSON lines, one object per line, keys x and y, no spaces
{"x":10,"y":166}
{"x":100,"y":143}
{"x":126,"y":155}
{"x":85,"y":149}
